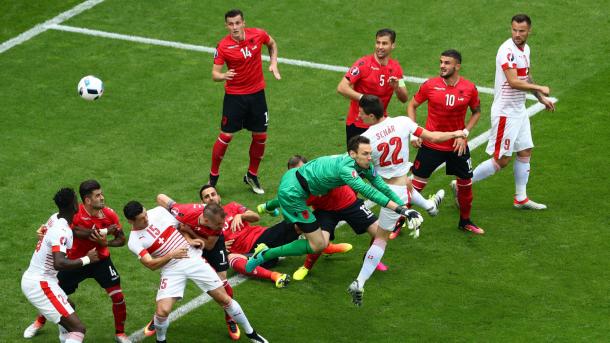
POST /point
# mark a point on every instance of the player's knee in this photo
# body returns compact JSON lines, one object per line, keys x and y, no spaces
{"x":220,"y":296}
{"x":318,"y":245}
{"x":163,"y":309}
{"x":503,"y":162}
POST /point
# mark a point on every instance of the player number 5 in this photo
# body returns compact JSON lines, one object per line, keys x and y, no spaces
{"x":382,"y":80}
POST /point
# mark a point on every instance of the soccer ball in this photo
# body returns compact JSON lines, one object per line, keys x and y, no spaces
{"x":90,"y":88}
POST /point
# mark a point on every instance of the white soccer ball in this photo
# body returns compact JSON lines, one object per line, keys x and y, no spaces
{"x":90,"y":88}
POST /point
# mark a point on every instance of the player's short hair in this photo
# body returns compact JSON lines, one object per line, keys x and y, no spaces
{"x":87,"y":187}
{"x":354,"y":143}
{"x":453,"y":54}
{"x":203,"y":188}
{"x":213,"y":210}
{"x":64,"y":199}
{"x":234,"y":13}
{"x":132,"y":209}
{"x":294,"y":160}
{"x":387,"y":32}
{"x":522,"y":17}
{"x":371,"y":104}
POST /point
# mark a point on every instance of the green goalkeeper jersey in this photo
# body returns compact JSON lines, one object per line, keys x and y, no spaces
{"x":328,"y":172}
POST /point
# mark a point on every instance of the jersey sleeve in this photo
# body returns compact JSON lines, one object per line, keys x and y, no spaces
{"x":351,"y":178}
{"x":381,"y":186}
{"x":422,"y":93}
{"x":58,"y":241}
{"x":356,"y":71}
{"x":264,"y":36}
{"x":136,"y":247}
{"x":399,"y":73}
{"x":218,"y":56}
{"x":410,"y":125}
{"x":114,"y":218}
{"x":475,"y":101}
{"x":506,"y":58}
{"x":236,"y":208}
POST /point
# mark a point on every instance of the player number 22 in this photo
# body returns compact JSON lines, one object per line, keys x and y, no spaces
{"x":384,"y":147}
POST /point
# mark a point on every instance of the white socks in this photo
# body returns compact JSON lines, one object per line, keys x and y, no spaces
{"x":485,"y":170}
{"x":420,"y":201}
{"x":235,"y":311}
{"x":371,"y":260}
{"x":75,"y":337}
{"x":161,"y":324}
{"x":521,"y":170}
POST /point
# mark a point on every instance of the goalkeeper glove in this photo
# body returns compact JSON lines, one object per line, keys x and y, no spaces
{"x":413,"y":218}
{"x":262,"y":209}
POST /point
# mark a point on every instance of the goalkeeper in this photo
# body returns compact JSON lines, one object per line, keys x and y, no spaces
{"x":317,"y":177}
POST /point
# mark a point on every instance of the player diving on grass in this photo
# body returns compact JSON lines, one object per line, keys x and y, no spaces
{"x":318,"y":177}
{"x":389,"y":138}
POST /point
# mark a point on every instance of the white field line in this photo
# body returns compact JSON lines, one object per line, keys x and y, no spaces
{"x":40,"y":28}
{"x":237,"y":279}
{"x":211,"y":50}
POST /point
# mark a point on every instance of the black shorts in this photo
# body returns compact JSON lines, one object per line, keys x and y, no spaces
{"x":103,"y":272}
{"x":277,"y":235}
{"x":353,"y":130}
{"x":244,"y":111}
{"x":427,"y":160}
{"x":218,"y":257}
{"x":357,"y":215}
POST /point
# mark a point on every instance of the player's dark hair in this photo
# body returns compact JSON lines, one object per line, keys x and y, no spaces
{"x":522,"y":17}
{"x":212,"y":210}
{"x":294,"y":161}
{"x":132,"y":209}
{"x":453,"y":54}
{"x":203,"y":188}
{"x":354,"y":143}
{"x":387,"y":32}
{"x":371,"y":104}
{"x":64,"y":199}
{"x":234,"y":13}
{"x":87,"y":187}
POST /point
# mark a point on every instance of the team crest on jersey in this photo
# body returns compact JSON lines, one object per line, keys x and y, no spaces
{"x":510,"y":57}
{"x":354,"y":71}
{"x":305,"y":214}
{"x":175,"y":212}
{"x":354,"y":174}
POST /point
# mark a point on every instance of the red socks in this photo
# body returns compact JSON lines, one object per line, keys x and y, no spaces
{"x":257,"y":150}
{"x":119,"y":310}
{"x":310,"y":260}
{"x":418,"y":185}
{"x":464,"y":195}
{"x":239,"y":265}
{"x":218,"y":152}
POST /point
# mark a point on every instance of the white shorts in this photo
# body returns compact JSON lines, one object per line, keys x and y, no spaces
{"x":387,"y":217}
{"x":173,"y":278}
{"x":508,"y":135}
{"x":47,"y":297}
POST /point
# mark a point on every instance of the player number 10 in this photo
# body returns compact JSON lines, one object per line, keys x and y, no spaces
{"x":449,"y":99}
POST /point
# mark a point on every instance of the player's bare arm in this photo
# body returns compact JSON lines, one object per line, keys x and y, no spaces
{"x":548,"y":104}
{"x":439,"y":137}
{"x":209,"y":242}
{"x":238,"y":220}
{"x":154,"y":263}
{"x":524,"y":85}
{"x":346,"y":89}
{"x":272,"y":48}
{"x":400,"y":89}
{"x":119,"y":239}
{"x":460,"y":144}
{"x":61,"y":262}
{"x":81,"y":232}
{"x":219,"y":76}
{"x":412,"y":113}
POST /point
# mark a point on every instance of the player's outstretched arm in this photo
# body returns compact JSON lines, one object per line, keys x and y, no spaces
{"x":272,"y":47}
{"x":165,"y":201}
{"x":61,"y":262}
{"x":438,"y":137}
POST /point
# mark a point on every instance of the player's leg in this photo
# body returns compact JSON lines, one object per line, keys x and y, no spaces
{"x":233,"y":111}
{"x":106,"y":275}
{"x":521,"y":168}
{"x":426,"y":161}
{"x":256,"y":121}
{"x":161,"y":318}
{"x":500,"y":146}
{"x":362,"y":220}
{"x":36,"y":326}
{"x":238,"y":263}
{"x":461,"y":167}
{"x":171,"y":288}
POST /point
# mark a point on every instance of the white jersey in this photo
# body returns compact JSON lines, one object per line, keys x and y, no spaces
{"x":57,"y":237}
{"x":160,"y":237}
{"x":390,"y":143}
{"x":510,"y":102}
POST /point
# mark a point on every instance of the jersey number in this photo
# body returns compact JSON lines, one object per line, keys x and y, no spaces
{"x":449,"y":99}
{"x":385,"y":151}
{"x":163,"y":283}
{"x":381,"y":80}
{"x":246,"y":52}
{"x":153,"y":231}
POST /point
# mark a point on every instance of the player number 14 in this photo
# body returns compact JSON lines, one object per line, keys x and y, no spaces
{"x":246,"y":52}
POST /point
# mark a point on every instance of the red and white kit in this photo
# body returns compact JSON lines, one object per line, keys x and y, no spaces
{"x":510,"y":125}
{"x":39,"y":282}
{"x":369,"y":77}
{"x":162,"y":237}
{"x":245,"y":58}
{"x":390,"y":143}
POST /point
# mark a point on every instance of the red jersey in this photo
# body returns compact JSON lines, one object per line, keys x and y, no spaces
{"x":245,"y":238}
{"x":369,"y":77}
{"x":84,"y":220}
{"x":447,"y":106}
{"x":335,"y":200}
{"x":245,"y":58}
{"x":189,"y":214}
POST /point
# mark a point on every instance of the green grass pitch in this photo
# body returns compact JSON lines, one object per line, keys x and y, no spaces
{"x":534,"y":276}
